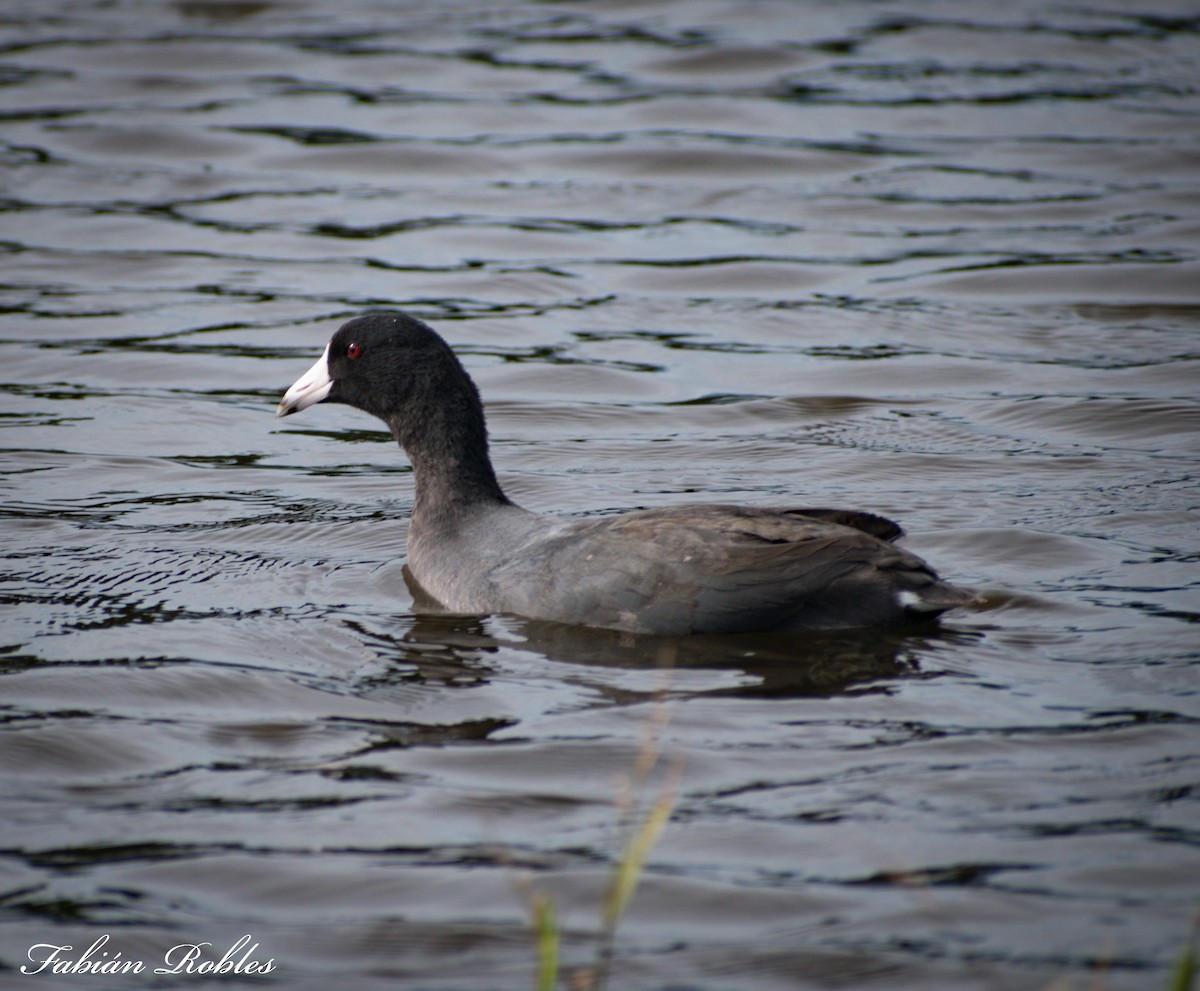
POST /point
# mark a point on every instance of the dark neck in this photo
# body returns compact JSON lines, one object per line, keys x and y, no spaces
{"x":446,"y":441}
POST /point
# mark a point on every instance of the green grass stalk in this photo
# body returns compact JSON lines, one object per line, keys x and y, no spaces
{"x":545,"y":928}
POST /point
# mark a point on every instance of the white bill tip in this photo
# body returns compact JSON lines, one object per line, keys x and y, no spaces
{"x":309,"y":388}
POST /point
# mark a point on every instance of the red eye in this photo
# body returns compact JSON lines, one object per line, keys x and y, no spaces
{"x":353,"y":350}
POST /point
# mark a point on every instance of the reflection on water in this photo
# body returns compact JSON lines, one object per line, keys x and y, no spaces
{"x":767,"y":665}
{"x":930,"y":260}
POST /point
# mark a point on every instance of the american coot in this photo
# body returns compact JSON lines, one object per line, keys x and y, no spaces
{"x":675,"y":570}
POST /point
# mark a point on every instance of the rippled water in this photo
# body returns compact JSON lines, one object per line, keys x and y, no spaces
{"x":936,"y":260}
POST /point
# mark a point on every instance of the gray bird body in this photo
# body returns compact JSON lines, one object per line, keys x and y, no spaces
{"x":672,"y":570}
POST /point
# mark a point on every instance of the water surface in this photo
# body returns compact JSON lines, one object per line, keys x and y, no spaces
{"x":934,"y":260}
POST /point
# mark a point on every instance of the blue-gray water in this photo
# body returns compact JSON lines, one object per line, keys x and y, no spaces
{"x":936,"y":260}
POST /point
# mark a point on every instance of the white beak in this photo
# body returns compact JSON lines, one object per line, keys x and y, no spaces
{"x":309,"y":388}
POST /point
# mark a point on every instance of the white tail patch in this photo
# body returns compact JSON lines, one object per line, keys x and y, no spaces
{"x":910,"y":600}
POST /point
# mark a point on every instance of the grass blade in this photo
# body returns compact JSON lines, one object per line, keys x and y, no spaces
{"x":545,"y":927}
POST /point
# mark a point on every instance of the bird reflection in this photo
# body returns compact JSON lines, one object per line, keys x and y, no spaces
{"x":450,"y":650}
